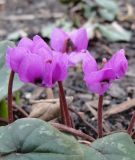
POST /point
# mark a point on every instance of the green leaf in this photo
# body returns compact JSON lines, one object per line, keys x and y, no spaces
{"x":35,"y":139}
{"x":114,"y":32}
{"x":107,"y":9}
{"x":118,"y":146}
{"x":16,"y":35}
{"x":5,"y":72}
{"x":3,"y":109}
{"x":17,"y":97}
{"x":108,"y":15}
{"x":110,"y":5}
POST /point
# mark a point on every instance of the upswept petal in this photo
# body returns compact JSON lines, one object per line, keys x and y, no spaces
{"x":98,"y":88}
{"x":118,"y":63}
{"x":75,"y":57}
{"x":58,"y":40}
{"x":45,"y":54}
{"x":14,"y":57}
{"x":60,"y":66}
{"x":31,"y":69}
{"x":99,"y":81}
{"x":26,"y":43}
{"x":79,"y":38}
{"x":89,"y":64}
{"x":38,"y":43}
{"x":47,"y":80}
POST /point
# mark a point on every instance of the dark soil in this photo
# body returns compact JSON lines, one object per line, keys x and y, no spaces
{"x":120,"y":91}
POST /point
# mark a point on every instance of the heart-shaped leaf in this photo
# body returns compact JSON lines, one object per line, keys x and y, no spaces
{"x":35,"y":139}
{"x":4,"y":71}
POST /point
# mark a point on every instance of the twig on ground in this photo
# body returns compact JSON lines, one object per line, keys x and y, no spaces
{"x":84,"y":121}
{"x":73,"y":131}
{"x":22,"y":111}
{"x":120,"y":108}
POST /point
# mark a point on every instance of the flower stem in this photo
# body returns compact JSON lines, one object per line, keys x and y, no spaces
{"x":73,"y":131}
{"x":131,"y":124}
{"x":63,"y":105}
{"x":10,"y":107}
{"x":63,"y":116}
{"x":100,"y":110}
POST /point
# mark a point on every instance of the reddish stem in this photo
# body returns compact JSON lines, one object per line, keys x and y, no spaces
{"x":131,"y":124}
{"x":73,"y":131}
{"x":63,"y":116}
{"x":100,"y":110}
{"x":10,"y":107}
{"x":64,"y":108}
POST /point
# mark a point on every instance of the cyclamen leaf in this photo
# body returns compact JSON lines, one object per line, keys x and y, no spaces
{"x":107,"y":9}
{"x":34,"y":139}
{"x":37,"y":140}
{"x":110,"y":5}
{"x":4,"y":72}
{"x":116,"y":146}
{"x":114,"y":32}
{"x":107,"y":14}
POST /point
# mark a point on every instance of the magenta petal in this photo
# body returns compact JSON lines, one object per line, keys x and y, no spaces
{"x":89,"y":63}
{"x":79,"y":38}
{"x":75,"y":57}
{"x":39,"y":43}
{"x":118,"y":63}
{"x":98,"y":87}
{"x":26,"y":43}
{"x":99,"y":81}
{"x":48,"y":75}
{"x":45,"y":54}
{"x":60,"y":66}
{"x":32,"y":69}
{"x":58,"y":40}
{"x":14,"y":57}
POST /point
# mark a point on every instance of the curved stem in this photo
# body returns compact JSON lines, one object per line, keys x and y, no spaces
{"x":131,"y":124}
{"x":100,"y":110}
{"x":64,"y":108}
{"x":10,"y":107}
{"x":73,"y":131}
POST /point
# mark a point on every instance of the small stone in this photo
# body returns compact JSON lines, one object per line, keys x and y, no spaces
{"x":116,"y":91}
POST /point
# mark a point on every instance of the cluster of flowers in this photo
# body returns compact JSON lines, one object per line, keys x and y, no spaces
{"x":36,"y":62}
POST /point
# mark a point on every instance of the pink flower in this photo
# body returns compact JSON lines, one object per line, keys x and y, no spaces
{"x":99,"y":80}
{"x":74,"y":44}
{"x":35,"y":62}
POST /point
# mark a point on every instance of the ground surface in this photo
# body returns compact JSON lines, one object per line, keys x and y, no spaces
{"x":30,"y":16}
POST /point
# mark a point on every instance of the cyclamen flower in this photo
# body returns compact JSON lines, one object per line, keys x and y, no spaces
{"x":99,"y":80}
{"x":74,"y":44}
{"x":35,"y":62}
